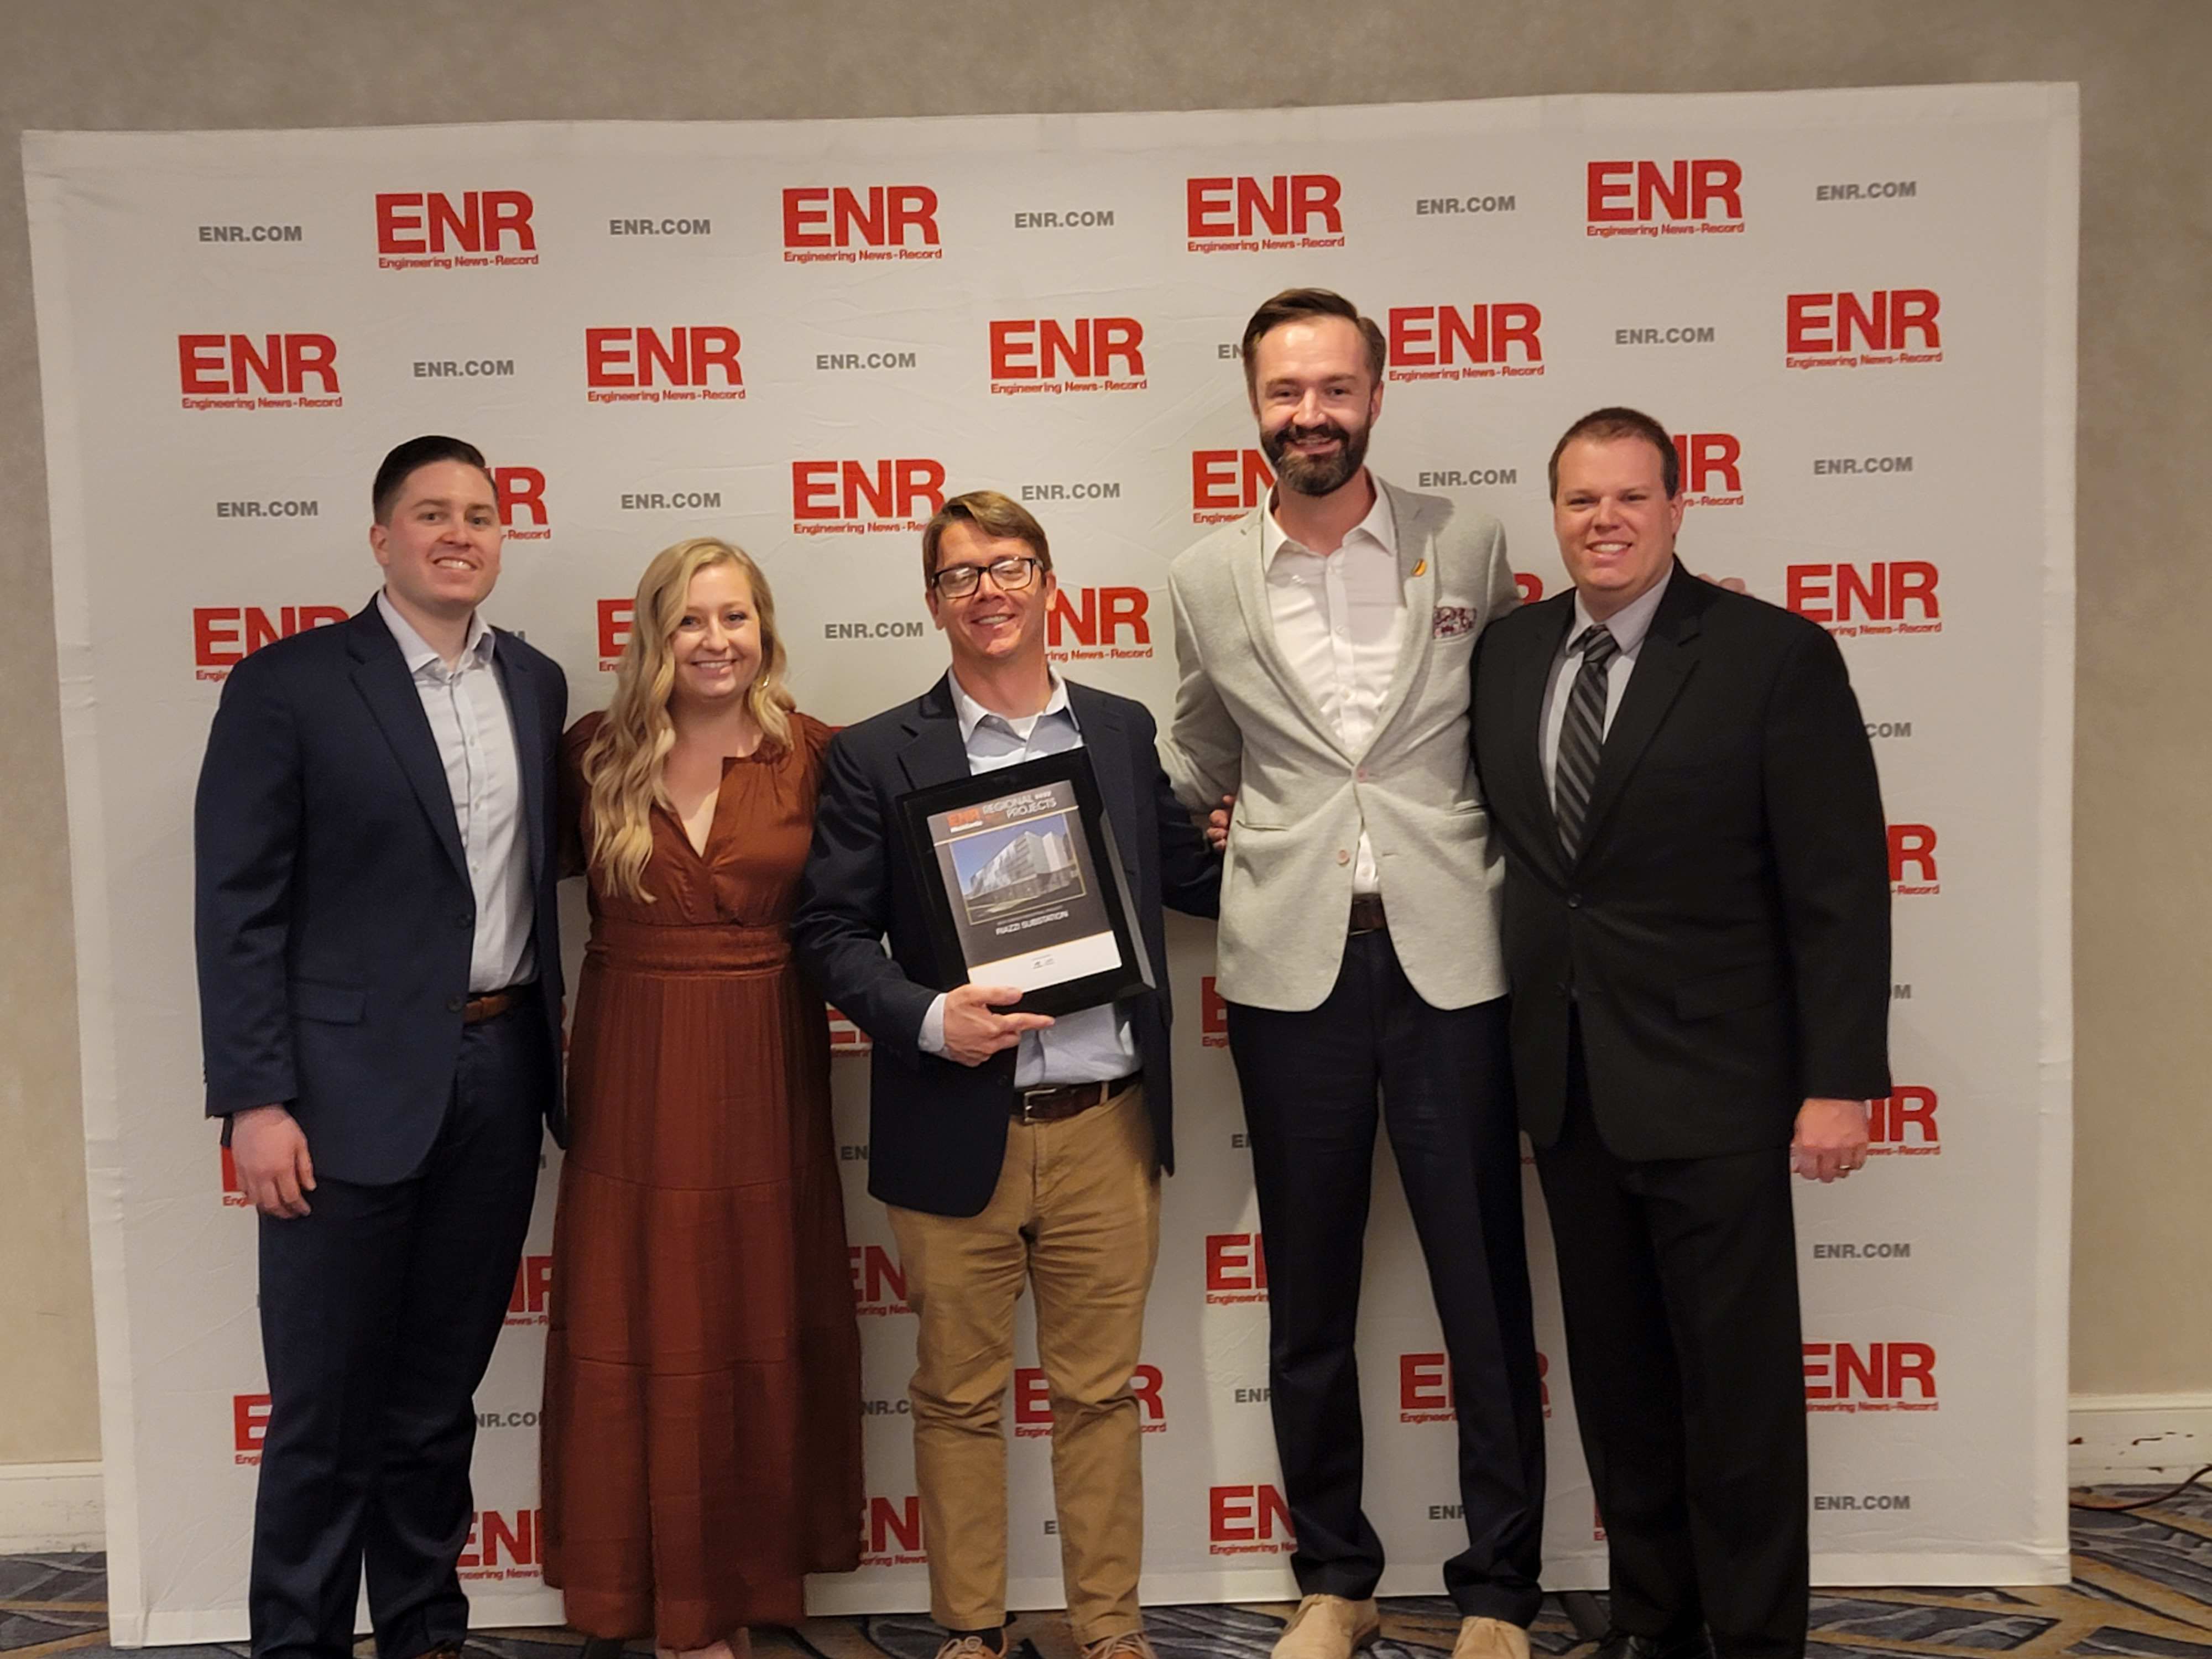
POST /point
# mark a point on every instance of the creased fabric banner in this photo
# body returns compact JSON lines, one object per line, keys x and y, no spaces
{"x":1855,"y":309}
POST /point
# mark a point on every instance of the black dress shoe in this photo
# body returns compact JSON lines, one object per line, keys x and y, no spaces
{"x":604,"y":1647}
{"x":1620,"y":1644}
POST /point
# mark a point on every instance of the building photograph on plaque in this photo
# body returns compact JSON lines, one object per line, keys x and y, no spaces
{"x":1029,"y":889}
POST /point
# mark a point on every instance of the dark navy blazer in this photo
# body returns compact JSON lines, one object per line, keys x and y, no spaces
{"x":333,"y":913}
{"x":937,"y":1129}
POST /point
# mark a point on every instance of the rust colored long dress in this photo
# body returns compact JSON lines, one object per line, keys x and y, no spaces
{"x":701,"y":1436}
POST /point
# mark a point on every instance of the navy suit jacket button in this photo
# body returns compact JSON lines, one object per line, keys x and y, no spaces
{"x":465,"y":919}
{"x":454,"y":1004}
{"x":1574,"y":900}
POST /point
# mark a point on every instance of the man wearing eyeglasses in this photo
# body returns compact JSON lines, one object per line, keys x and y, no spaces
{"x":1008,"y":1146}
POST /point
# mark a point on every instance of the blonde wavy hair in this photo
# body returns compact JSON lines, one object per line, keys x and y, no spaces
{"x":622,"y":764}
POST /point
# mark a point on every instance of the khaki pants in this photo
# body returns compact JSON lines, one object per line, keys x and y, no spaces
{"x":1077,"y":1215}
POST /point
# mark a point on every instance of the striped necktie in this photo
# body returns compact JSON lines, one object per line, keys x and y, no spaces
{"x":1582,"y":736}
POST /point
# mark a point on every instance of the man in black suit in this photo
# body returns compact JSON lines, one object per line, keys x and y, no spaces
{"x":1009,"y":1146}
{"x":1696,"y":930}
{"x":379,"y":973}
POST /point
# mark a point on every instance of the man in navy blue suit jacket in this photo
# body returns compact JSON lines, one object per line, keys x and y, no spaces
{"x":380,"y":974}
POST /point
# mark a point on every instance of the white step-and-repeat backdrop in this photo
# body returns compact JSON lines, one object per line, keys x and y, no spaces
{"x":1856,"y":308}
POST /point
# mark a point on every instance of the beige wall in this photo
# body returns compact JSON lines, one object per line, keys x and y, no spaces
{"x":2142,"y":1303}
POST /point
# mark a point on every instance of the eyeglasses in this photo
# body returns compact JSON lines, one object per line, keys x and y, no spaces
{"x":957,"y":581}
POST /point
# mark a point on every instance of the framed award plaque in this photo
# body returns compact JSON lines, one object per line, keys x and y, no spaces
{"x":1025,"y":885}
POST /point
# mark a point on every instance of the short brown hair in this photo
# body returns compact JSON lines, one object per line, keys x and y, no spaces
{"x":1605,"y":426}
{"x":1295,"y":305}
{"x":995,"y":515}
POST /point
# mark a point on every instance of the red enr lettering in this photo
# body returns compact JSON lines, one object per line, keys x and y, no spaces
{"x":521,"y":489}
{"x":614,"y":625}
{"x":1611,"y":183}
{"x":203,"y":368}
{"x":814,"y":490}
{"x":1210,"y":203}
{"x":1809,"y":312}
{"x":397,"y":215}
{"x":806,"y":218}
{"x":1912,"y":845}
{"x":1716,"y":184}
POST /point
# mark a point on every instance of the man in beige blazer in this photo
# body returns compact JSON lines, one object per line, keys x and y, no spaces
{"x":1324,"y":643}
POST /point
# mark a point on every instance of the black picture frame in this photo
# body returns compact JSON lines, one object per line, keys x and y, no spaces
{"x":1024,"y":883}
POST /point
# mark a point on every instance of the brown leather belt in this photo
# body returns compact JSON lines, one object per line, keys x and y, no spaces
{"x":489,"y":1005}
{"x":1058,"y":1101}
{"x":1367,"y":915}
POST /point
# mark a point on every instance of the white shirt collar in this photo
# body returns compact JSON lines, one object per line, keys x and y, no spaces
{"x":1628,"y":625}
{"x":1380,"y":526}
{"x":419,"y":653}
{"x":971,"y":714}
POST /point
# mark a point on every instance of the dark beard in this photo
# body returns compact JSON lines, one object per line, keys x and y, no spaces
{"x":1315,"y":475}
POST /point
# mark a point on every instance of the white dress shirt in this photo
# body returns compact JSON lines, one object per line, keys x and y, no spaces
{"x":1091,"y":1045}
{"x":468,"y":713}
{"x":1339,"y":618}
{"x":1628,"y":626}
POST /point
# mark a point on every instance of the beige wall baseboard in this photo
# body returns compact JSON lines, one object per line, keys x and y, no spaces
{"x":50,"y":1506}
{"x":2138,"y":1436}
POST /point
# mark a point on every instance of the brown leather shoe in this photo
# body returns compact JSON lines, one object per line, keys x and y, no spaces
{"x":1489,"y":1639}
{"x":1328,"y":1627}
{"x":1126,"y":1644}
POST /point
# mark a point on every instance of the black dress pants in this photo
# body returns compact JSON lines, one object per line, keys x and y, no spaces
{"x":1678,"y":1278}
{"x":1310,"y":1083}
{"x":378,"y":1312}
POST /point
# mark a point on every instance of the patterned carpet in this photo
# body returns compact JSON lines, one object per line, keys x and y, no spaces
{"x":2142,"y":1589}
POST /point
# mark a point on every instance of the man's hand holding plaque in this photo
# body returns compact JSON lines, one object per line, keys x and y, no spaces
{"x":974,"y":1029}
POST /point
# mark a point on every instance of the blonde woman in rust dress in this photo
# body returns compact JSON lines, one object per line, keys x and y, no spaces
{"x":701,"y":1430}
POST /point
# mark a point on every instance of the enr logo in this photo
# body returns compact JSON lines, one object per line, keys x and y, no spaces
{"x":1897,"y":596}
{"x":615,"y":615}
{"x":1097,"y":617}
{"x":878,"y":1281}
{"x":1286,"y":205}
{"x":1639,"y":193}
{"x":1912,"y":859}
{"x":1227,"y":483}
{"x":426,"y":221}
{"x":516,"y":1536}
{"x":521,"y":490}
{"x":1887,"y":319}
{"x":892,"y":217}
{"x":249,"y":1416}
{"x":1236,"y":1268}
{"x":1904,"y":1124}
{"x":224,"y":636}
{"x":1426,"y":1393}
{"x":1089,"y":348}
{"x":895,"y":1538}
{"x":1250,"y":1520}
{"x":216,"y":365}
{"x":1840,"y":1378}
{"x":1033,"y":1401}
{"x":1707,"y":457}
{"x":1212,"y":1015}
{"x":1489,"y":335}
{"x":890,"y":494}
{"x":533,"y":1284}
{"x":687,"y":358}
